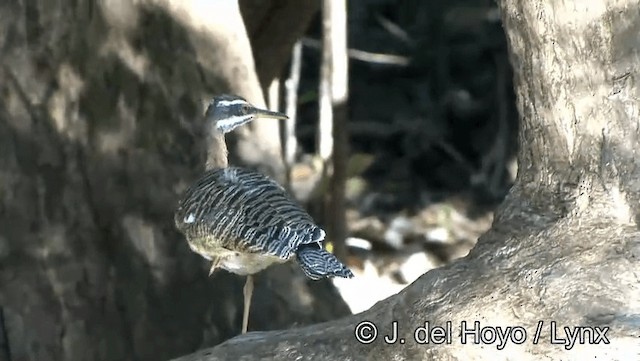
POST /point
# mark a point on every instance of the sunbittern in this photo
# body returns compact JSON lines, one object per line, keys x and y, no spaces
{"x":243,"y":221}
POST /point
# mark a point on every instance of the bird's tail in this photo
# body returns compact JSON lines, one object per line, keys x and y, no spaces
{"x":318,"y":263}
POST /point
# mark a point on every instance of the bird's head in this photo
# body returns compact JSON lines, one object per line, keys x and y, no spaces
{"x":227,"y":112}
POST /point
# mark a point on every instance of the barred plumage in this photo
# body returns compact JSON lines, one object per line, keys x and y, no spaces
{"x":243,"y":221}
{"x":232,"y":211}
{"x":318,"y":263}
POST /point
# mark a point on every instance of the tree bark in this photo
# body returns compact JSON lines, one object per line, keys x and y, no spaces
{"x":99,"y":134}
{"x":332,"y":132}
{"x":564,"y":245}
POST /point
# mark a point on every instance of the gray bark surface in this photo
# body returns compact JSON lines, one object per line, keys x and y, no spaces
{"x":564,"y":246}
{"x":99,"y":135}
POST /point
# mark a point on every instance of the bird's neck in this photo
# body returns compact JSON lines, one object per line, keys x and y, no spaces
{"x":216,"y":151}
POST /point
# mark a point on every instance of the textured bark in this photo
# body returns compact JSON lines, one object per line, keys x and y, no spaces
{"x":99,"y":134}
{"x":564,"y":245}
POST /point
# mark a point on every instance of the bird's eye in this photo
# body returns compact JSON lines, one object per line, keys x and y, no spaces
{"x":245,"y":109}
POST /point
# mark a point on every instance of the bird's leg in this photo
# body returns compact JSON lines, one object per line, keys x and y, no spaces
{"x":215,"y":264}
{"x":248,"y":292}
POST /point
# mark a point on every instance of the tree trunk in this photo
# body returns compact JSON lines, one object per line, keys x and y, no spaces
{"x":332,"y":133}
{"x":288,"y":138}
{"x":564,"y":245}
{"x":99,"y":134}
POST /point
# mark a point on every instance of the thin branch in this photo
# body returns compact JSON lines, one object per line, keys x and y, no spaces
{"x":362,"y":128}
{"x":325,"y":127}
{"x":274,"y":94}
{"x":366,"y":56}
{"x":457,"y":156}
{"x":289,"y":141}
{"x":395,"y":30}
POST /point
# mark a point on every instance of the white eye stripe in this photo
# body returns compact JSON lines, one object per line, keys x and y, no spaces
{"x":232,"y":121}
{"x":226,"y":103}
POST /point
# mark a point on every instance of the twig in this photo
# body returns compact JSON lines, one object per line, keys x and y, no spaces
{"x":457,"y":156}
{"x":359,"y":128}
{"x":395,"y":30}
{"x":386,"y":59}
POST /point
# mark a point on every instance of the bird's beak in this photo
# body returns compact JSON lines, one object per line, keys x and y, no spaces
{"x":262,"y":113}
{"x":248,"y":115}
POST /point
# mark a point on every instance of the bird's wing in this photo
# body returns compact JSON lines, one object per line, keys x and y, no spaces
{"x":245,"y":211}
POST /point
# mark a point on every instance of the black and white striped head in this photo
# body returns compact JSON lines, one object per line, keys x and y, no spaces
{"x":227,"y":112}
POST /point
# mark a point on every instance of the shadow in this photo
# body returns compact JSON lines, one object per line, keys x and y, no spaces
{"x":446,"y":124}
{"x":97,"y":146}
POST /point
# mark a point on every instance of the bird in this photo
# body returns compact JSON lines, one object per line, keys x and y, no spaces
{"x":243,"y":221}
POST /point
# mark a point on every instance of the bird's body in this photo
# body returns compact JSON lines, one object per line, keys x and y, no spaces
{"x":241,"y":220}
{"x":244,"y":222}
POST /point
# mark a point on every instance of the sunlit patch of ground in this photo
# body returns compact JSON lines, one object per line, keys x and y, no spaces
{"x":405,"y":248}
